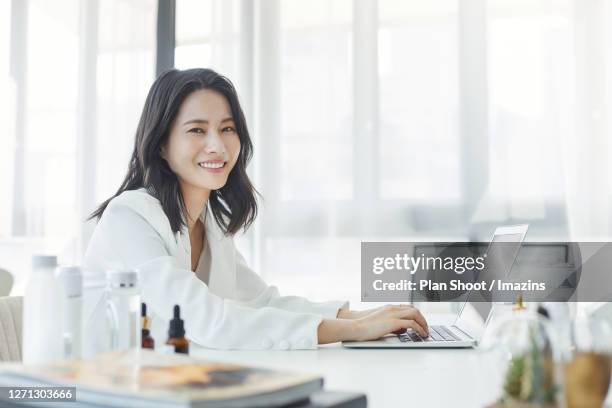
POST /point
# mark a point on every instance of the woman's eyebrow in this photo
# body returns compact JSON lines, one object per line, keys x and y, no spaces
{"x":205,"y":122}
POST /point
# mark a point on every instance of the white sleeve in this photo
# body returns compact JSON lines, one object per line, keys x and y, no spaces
{"x":254,"y":292}
{"x":210,"y":321}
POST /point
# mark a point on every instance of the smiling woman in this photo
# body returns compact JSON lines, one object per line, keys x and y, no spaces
{"x":184,"y":111}
{"x":173,"y":219}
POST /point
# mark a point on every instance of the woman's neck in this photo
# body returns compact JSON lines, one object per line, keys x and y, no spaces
{"x":195,"y":200}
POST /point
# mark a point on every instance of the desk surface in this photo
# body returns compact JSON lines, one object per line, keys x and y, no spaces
{"x":408,"y":377}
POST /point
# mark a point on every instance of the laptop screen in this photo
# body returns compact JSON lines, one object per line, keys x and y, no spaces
{"x":501,"y":254}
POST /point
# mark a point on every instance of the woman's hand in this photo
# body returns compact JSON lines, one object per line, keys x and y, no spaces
{"x":389,"y":319}
{"x":378,"y":323}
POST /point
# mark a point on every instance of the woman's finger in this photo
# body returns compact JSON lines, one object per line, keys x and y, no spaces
{"x":409,"y":324}
{"x":406,"y":305}
{"x":413,"y":314}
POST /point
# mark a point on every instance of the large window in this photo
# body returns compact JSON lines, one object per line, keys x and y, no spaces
{"x":124,"y":71}
{"x":371,"y":120}
{"x":316,"y":143}
{"x":74,"y":75}
{"x":7,"y":121}
{"x":389,"y":120}
{"x":531,"y":80}
{"x":49,"y":130}
{"x":208,"y":34}
{"x":418,"y":69}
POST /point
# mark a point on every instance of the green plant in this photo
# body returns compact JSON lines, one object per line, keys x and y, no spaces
{"x":530,"y":375}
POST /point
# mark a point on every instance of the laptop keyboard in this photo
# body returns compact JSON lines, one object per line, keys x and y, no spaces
{"x":436,"y":333}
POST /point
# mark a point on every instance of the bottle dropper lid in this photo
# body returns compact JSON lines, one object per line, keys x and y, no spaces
{"x":177,"y":329}
{"x":143,"y":315}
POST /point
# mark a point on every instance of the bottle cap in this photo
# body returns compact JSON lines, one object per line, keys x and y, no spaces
{"x":71,"y":279}
{"x":44,"y":261}
{"x":177,"y":328}
{"x":121,"y":278}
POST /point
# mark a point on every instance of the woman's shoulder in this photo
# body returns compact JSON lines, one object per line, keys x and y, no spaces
{"x":139,"y":203}
{"x":138,"y":200}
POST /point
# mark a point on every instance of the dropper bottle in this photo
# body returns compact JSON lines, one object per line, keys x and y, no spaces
{"x":147,"y":342}
{"x":176,"y":333}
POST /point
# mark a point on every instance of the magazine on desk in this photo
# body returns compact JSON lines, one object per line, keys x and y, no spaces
{"x":144,"y":379}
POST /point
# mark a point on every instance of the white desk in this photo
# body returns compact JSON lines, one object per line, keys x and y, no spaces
{"x":389,"y":378}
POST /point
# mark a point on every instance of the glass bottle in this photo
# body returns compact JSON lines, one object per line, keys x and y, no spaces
{"x":123,"y":309}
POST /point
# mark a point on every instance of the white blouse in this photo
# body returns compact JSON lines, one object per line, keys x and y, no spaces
{"x":224,"y":304}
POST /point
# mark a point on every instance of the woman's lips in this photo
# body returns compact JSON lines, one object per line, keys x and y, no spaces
{"x":213,"y":167}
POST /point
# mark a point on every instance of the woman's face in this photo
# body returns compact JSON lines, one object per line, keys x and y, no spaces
{"x":203,"y":145}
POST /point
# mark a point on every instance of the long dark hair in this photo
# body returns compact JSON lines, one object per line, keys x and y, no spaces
{"x":234,"y":206}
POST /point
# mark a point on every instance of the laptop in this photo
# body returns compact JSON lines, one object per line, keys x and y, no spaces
{"x":461,"y":334}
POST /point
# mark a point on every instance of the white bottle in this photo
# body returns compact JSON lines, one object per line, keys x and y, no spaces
{"x":71,"y":283}
{"x":42,"y":314}
{"x":123,"y":309}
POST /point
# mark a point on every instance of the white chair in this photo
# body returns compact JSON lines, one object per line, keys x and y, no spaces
{"x":6,"y":282}
{"x":11,"y":316}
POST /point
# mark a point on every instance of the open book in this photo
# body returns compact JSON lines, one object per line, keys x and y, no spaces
{"x":143,"y":378}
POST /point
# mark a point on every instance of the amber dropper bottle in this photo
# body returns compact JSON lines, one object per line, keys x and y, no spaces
{"x":176,"y":333}
{"x":146,"y":340}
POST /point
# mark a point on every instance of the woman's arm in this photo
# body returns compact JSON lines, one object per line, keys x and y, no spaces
{"x":339,"y":323}
{"x":346,"y":313}
{"x":374,"y":325}
{"x":254,"y":292}
{"x":124,"y":238}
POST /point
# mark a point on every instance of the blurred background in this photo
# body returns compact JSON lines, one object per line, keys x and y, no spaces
{"x":372,"y":120}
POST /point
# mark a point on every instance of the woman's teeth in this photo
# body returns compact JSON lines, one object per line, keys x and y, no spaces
{"x":217,"y":165}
